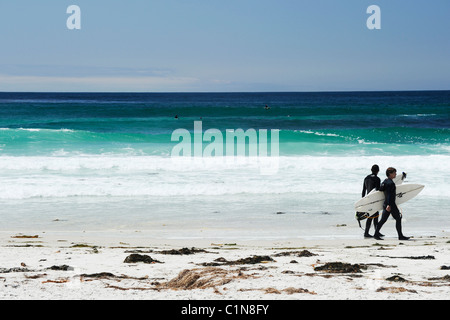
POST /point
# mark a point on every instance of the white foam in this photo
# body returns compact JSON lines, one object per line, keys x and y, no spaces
{"x":37,"y":129}
{"x":419,"y":115}
{"x":64,"y":176}
{"x":320,"y":133}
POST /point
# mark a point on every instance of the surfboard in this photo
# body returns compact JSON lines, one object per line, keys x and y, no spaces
{"x":399,"y":179}
{"x":373,"y":202}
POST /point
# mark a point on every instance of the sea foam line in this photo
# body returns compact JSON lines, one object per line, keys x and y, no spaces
{"x":36,"y":129}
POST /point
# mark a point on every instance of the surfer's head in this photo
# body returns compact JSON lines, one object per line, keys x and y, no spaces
{"x":375,"y":169}
{"x":390,"y":171}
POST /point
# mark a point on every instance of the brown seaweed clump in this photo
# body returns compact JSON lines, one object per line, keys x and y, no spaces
{"x":395,"y":290}
{"x":444,"y":278}
{"x":135,"y":257}
{"x":252,"y":260}
{"x":292,"y":290}
{"x":182,"y":251}
{"x":289,"y":291}
{"x":202,"y":278}
{"x":249,"y":260}
{"x":396,"y":278}
{"x":340,"y":267}
{"x":303,"y":253}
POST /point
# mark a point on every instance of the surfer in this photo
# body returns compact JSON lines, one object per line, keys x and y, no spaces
{"x":390,"y":208}
{"x":372,"y":181}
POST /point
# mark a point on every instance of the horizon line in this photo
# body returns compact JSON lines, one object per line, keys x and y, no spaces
{"x":222,"y":92}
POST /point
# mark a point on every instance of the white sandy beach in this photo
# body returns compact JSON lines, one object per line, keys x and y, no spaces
{"x":91,"y":266}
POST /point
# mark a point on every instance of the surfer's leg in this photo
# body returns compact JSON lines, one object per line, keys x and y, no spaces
{"x":366,"y":231}
{"x":375,"y":222}
{"x":383,"y":220}
{"x":398,"y":224}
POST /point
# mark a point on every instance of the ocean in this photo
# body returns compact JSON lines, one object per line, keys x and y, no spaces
{"x":104,"y":162}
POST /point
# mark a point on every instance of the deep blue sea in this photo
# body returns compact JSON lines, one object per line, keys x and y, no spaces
{"x":104,"y":161}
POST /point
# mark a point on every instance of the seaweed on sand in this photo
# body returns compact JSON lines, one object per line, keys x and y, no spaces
{"x":202,"y":278}
{"x":340,"y":267}
{"x":250,"y":260}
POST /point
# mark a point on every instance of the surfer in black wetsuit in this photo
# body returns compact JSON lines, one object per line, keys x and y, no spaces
{"x":372,"y":181}
{"x":388,"y":186}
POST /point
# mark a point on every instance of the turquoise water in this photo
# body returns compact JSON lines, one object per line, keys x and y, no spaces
{"x":103,"y":161}
{"x":309,"y":123}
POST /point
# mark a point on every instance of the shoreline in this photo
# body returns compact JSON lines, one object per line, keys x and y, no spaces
{"x":94,"y":266}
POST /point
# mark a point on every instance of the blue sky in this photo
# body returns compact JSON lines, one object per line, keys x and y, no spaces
{"x":233,"y":45}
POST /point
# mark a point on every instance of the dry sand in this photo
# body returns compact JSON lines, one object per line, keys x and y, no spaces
{"x":101,"y":266}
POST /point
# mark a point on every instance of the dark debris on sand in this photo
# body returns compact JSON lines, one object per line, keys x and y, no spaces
{"x":63,"y":267}
{"x":444,"y":278}
{"x":109,"y":275}
{"x":303,"y":253}
{"x":250,"y":260}
{"x":395,"y":290}
{"x":412,"y":257}
{"x":183,"y":251}
{"x":396,"y":278}
{"x":8,"y":270}
{"x":340,"y":267}
{"x":135,"y":257}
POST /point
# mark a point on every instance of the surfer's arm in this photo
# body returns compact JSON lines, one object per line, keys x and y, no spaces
{"x":390,"y":195}
{"x":388,"y":200}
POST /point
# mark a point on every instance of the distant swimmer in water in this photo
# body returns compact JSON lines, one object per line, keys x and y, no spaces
{"x":267,"y":107}
{"x":176,"y":116}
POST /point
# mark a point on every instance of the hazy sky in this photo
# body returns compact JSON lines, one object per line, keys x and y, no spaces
{"x":226,"y":45}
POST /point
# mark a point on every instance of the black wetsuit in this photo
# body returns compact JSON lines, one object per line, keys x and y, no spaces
{"x":372,"y":181}
{"x":389,"y":188}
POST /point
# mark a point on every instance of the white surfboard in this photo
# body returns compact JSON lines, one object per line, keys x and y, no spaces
{"x":400,"y":178}
{"x":373,"y":202}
